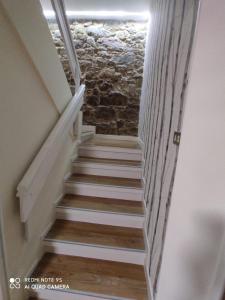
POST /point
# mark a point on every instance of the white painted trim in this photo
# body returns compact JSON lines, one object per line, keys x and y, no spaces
{"x":34,"y":179}
{"x":132,"y":256}
{"x":111,"y":170}
{"x":96,"y":190}
{"x":149,"y":284}
{"x":86,"y":136}
{"x":88,"y":128}
{"x":147,"y":258}
{"x":111,"y":149}
{"x":107,"y":165}
{"x":4,"y":288}
{"x":141,"y":143}
{"x":147,"y":247}
{"x":118,"y":137}
{"x":60,"y":13}
{"x":75,"y":151}
{"x":72,"y":295}
{"x":77,"y":128}
{"x":47,"y":228}
{"x":33,"y":266}
{"x":109,"y":152}
{"x":96,"y":217}
{"x":67,"y":176}
{"x":56,"y":202}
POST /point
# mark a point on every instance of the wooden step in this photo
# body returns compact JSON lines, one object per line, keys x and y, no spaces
{"x":111,"y":149}
{"x":98,"y":241}
{"x":96,"y":234}
{"x":108,"y":167}
{"x":102,"y":279}
{"x":111,"y":162}
{"x":104,"y":186}
{"x":102,"y":204}
{"x":104,"y":142}
{"x":98,"y":210}
{"x":106,"y":181}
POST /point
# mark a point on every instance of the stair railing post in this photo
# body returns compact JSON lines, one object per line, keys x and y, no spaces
{"x":60,"y":13}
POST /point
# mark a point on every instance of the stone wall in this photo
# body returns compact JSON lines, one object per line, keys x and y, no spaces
{"x":111,"y":56}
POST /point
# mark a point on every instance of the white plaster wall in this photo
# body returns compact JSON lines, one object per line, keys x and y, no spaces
{"x":197,"y":215}
{"x":32,"y":28}
{"x":165,"y":79}
{"x":27,"y":115}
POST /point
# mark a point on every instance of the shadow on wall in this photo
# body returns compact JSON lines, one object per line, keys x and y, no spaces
{"x":203,"y":260}
{"x":111,"y":56}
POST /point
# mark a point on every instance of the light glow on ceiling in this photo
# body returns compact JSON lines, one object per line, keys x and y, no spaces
{"x":101,"y":14}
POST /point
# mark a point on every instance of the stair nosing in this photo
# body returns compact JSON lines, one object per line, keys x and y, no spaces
{"x":105,"y":163}
{"x":90,"y":294}
{"x":99,"y":211}
{"x":110,"y":149}
{"x":95,"y":245}
{"x":72,"y":181}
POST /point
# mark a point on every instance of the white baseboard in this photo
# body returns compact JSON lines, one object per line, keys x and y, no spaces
{"x":48,"y":227}
{"x":34,"y":264}
{"x":88,"y":128}
{"x":107,"y":170}
{"x":96,"y":251}
{"x":99,"y":153}
{"x":59,"y":199}
{"x":118,"y":137}
{"x":46,"y":294}
{"x":86,"y":136}
{"x":96,"y":217}
{"x":95,"y":190}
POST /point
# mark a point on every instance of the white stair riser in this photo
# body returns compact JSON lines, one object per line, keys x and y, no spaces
{"x":86,"y":136}
{"x":107,"y":170}
{"x":104,"y":218}
{"x":97,"y":153}
{"x":94,"y":251}
{"x":45,"y":294}
{"x":113,"y":192}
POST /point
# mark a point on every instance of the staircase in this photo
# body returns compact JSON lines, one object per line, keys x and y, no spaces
{"x":97,"y":244}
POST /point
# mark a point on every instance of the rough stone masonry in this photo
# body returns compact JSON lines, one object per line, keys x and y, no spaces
{"x":111,"y":56}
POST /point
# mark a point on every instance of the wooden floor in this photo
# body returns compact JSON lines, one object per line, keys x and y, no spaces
{"x":106,"y":180}
{"x":102,"y":204}
{"x":96,"y":276}
{"x":130,"y":163}
{"x":96,"y":141}
{"x":96,"y":234}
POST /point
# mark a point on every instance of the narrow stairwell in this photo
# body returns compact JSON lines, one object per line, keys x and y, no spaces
{"x":97,"y":243}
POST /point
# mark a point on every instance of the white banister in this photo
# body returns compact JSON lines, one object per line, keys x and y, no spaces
{"x":34,"y":179}
{"x":60,"y":12}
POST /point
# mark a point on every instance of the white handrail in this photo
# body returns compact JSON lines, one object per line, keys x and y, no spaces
{"x":34,"y":179}
{"x":60,"y":12}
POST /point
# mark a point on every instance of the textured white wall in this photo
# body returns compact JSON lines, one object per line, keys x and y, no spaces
{"x":165,"y":79}
{"x":35,"y":35}
{"x":197,"y":215}
{"x":27,"y":115}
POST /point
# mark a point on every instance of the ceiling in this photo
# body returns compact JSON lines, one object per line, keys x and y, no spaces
{"x":102,"y":5}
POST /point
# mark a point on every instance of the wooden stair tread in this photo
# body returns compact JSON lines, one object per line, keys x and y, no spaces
{"x":102,"y":204}
{"x":97,"y":234}
{"x":95,"y":276}
{"x":106,"y":180}
{"x":96,"y":141}
{"x":119,"y":162}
